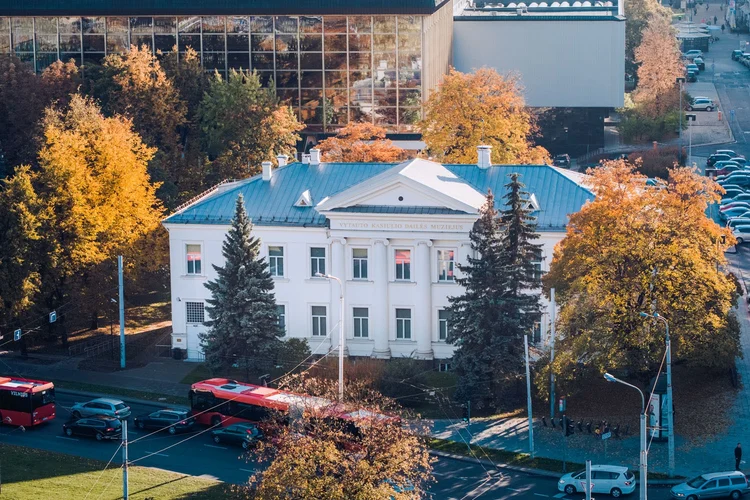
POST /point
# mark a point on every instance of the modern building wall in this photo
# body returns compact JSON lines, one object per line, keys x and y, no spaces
{"x":563,"y":62}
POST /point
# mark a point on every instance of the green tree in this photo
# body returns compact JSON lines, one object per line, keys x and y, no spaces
{"x":243,"y":125}
{"x":243,"y":326}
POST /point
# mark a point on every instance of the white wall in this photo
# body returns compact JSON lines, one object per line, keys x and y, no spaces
{"x":561,"y":63}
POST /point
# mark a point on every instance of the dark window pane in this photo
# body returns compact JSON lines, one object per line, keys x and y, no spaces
{"x":262,"y":43}
{"x":141,"y":40}
{"x":288,"y":97}
{"x":70,"y":43}
{"x":261,"y":24}
{"x":93,"y":58}
{"x":361,"y":114}
{"x":336,"y":98}
{"x":360,"y":78}
{"x":286,"y":43}
{"x":165,"y":43}
{"x":360,"y":24}
{"x":311,"y":60}
{"x":193,"y":41}
{"x":24,"y":42}
{"x":286,"y":61}
{"x":385,"y":116}
{"x":312,"y":79}
{"x":286,"y":24}
{"x":336,"y":116}
{"x":213,"y":61}
{"x":238,"y":60}
{"x":165,"y":25}
{"x":311,"y":43}
{"x":47,"y":25}
{"x":27,"y":57}
{"x":335,"y":79}
{"x":334,"y":24}
{"x":287,"y":79}
{"x":93,"y":43}
{"x":66,"y":24}
{"x":43,"y":60}
{"x":46,"y":43}
{"x":117,"y":24}
{"x":141,"y":25}
{"x":360,"y":60}
{"x":213,"y":43}
{"x":265,"y":77}
{"x":360,"y":43}
{"x":238,"y":43}
{"x":312,"y":98}
{"x":311,"y":115}
{"x":75,"y":56}
{"x":310,"y":25}
{"x":189,"y":24}
{"x":238,"y":25}
{"x":117,"y":43}
{"x":334,"y":43}
{"x":385,"y":97}
{"x":262,"y":61}
{"x":384,"y":24}
{"x":213,"y":24}
{"x":335,"y":61}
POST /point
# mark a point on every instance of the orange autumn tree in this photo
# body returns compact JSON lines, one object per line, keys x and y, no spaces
{"x":633,"y":246}
{"x":360,"y":142}
{"x":658,"y":57}
{"x":469,"y":109}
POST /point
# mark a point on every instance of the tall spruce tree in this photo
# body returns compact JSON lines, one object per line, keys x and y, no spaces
{"x":489,"y":320}
{"x":243,"y":328}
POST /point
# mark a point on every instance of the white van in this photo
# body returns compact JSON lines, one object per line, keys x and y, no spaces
{"x":608,"y":479}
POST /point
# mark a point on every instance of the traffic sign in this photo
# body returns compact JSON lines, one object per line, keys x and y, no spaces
{"x":53,"y":316}
{"x":606,"y":435}
{"x":17,"y":335}
{"x":583,"y":486}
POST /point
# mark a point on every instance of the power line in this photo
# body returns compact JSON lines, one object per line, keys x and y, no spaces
{"x":103,"y":470}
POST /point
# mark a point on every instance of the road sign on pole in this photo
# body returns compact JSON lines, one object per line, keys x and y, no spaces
{"x":606,"y":435}
{"x":17,"y":335}
{"x":53,"y":316}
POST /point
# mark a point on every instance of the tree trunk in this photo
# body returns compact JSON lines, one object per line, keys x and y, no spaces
{"x":95,"y":320}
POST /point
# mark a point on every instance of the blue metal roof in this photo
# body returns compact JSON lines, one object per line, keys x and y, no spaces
{"x":271,"y":203}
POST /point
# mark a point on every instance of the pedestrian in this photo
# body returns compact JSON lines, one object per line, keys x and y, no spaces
{"x":706,"y":5}
{"x":722,"y":28}
{"x":715,"y":19}
{"x":737,"y":456}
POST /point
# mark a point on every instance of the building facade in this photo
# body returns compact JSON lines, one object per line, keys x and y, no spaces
{"x":393,"y":234}
{"x":332,"y":62}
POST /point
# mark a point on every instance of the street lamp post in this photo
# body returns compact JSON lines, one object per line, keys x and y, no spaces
{"x":680,"y":80}
{"x":690,"y":118}
{"x":670,"y":406}
{"x":644,"y":453}
{"x":341,"y":331}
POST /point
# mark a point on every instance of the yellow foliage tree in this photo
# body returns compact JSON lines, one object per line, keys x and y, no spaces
{"x":469,"y":109}
{"x":659,"y":61}
{"x":636,"y":246}
{"x":360,"y":142}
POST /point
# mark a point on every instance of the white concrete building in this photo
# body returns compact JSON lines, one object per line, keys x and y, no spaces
{"x":392,"y":233}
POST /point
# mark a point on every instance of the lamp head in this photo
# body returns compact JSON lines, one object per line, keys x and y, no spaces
{"x":609,"y":378}
{"x":656,"y":315}
{"x":644,"y":315}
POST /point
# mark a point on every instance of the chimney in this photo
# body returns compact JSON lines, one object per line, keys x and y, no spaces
{"x":267,"y":169}
{"x":282,"y":159}
{"x":305,"y":159}
{"x":315,"y":156}
{"x":484,"y":155}
{"x":621,"y":8}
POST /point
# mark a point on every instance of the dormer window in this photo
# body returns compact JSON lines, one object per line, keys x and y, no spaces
{"x":304,"y":200}
{"x":533,"y":203}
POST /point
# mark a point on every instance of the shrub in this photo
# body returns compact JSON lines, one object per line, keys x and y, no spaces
{"x":656,"y":162}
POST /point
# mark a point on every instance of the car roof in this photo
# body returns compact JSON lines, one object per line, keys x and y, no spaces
{"x":724,"y":151}
{"x":714,"y":475}
{"x":243,"y":425}
{"x":611,"y":468}
{"x":106,"y":400}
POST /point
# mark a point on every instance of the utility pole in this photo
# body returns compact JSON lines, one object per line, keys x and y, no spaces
{"x":553,"y":317}
{"x":680,"y":81}
{"x":528,"y":396}
{"x":588,"y":480}
{"x":125,"y":459}
{"x":121,"y":290}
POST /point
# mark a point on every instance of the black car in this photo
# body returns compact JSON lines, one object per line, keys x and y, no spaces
{"x":692,"y":76}
{"x":244,"y":435}
{"x":99,"y":427}
{"x":561,"y":161}
{"x":717,"y":157}
{"x":173,"y":420}
{"x":736,"y":54}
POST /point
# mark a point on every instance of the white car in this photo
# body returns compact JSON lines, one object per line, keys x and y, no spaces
{"x":692,"y":54}
{"x":101,"y":406}
{"x":741,"y":233}
{"x":702,"y":103}
{"x":608,"y":479}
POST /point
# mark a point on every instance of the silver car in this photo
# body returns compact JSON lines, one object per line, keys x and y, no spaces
{"x":731,"y":484}
{"x":101,"y":406}
{"x":704,"y":104}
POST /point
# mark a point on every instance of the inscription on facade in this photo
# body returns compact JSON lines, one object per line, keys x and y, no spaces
{"x":399,"y":226}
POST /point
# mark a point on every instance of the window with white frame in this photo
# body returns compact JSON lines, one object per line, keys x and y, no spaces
{"x":276,"y":261}
{"x":194,"y":312}
{"x":403,"y":265}
{"x":359,"y":261}
{"x":193,"y":253}
{"x":403,"y":324}
{"x":536,"y":329}
{"x":281,"y":314}
{"x":538,"y":257}
{"x":317,"y":261}
{"x":444,"y":367}
{"x":361,"y":322}
{"x":443,"y":317}
{"x":445,"y":265}
{"x":319,"y":321}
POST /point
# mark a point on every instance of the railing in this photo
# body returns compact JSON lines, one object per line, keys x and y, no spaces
{"x":202,"y":195}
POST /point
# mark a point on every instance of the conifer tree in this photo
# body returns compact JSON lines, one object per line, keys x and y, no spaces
{"x":243,"y":328}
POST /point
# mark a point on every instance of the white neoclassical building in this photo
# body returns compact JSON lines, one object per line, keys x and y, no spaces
{"x":393,"y":234}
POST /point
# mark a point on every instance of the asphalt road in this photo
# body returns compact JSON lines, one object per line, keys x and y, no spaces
{"x":197,"y":455}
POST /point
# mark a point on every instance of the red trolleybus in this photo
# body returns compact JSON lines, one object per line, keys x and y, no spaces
{"x":26,"y":402}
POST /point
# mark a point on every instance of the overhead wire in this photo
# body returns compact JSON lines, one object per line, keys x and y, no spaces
{"x":102,"y":473}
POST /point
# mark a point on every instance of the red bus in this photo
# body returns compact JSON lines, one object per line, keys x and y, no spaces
{"x":26,"y":402}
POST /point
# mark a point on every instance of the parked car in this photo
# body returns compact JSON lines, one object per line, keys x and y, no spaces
{"x":101,"y":406}
{"x":561,"y":161}
{"x":98,"y":427}
{"x":731,"y":193}
{"x":692,"y":67}
{"x":726,"y":168}
{"x":717,"y":157}
{"x":736,"y":53}
{"x":244,"y":435}
{"x":744,"y":58}
{"x":739,"y":160}
{"x":730,"y":186}
{"x":173,"y":420}
{"x":735,"y":213}
{"x":731,"y":484}
{"x":729,"y":152}
{"x":691,"y":76}
{"x":692,"y":54}
{"x":738,"y":221}
{"x":741,"y":233}
{"x":702,"y":104}
{"x":698,"y":61}
{"x":608,"y":479}
{"x":741,"y":197}
{"x":735,"y":204}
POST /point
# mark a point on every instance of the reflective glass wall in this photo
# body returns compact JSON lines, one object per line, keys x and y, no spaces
{"x":330,"y":69}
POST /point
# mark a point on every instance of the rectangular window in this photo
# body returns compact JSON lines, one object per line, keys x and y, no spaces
{"x":443,"y":317}
{"x":445,"y":265}
{"x":276,"y":261}
{"x":193,"y":259}
{"x":403,"y":323}
{"x":361,"y":322}
{"x":319,"y":321}
{"x":281,"y":313}
{"x":317,"y":261}
{"x":537,"y":262}
{"x":359,"y":256}
{"x":194,"y":312}
{"x":536,"y":329}
{"x":403,"y":265}
{"x":444,"y":367}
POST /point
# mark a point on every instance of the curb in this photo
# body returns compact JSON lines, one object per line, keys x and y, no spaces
{"x":535,"y":472}
{"x":144,"y":402}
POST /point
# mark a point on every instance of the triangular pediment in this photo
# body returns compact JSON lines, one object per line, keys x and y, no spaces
{"x":415,"y":183}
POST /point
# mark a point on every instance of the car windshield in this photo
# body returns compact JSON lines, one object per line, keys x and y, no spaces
{"x":629,"y":475}
{"x":114,"y":423}
{"x":696,"y":482}
{"x":120,"y":406}
{"x":39,"y":399}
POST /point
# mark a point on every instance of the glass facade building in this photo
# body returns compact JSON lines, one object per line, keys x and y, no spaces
{"x":331,"y":69}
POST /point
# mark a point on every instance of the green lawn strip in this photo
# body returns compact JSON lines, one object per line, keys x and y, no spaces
{"x":123,"y":393}
{"x":29,"y":473}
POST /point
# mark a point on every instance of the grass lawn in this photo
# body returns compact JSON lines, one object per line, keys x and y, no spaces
{"x":30,"y":474}
{"x":124,"y":393}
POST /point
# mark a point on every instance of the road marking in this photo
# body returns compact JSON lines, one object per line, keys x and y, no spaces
{"x":248,"y":470}
{"x":560,"y":495}
{"x":65,"y":437}
{"x":151,"y":453}
{"x":217,"y":447}
{"x":546,"y":496}
{"x":517,"y":491}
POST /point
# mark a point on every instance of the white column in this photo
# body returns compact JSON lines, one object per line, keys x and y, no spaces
{"x":464,"y":251}
{"x":421,"y":323}
{"x":379,"y":311}
{"x":338,"y":269}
